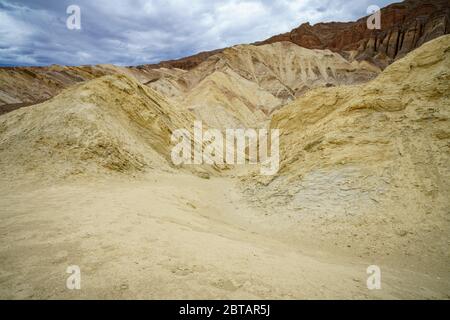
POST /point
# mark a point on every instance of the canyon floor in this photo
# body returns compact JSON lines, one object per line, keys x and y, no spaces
{"x":177,"y":236}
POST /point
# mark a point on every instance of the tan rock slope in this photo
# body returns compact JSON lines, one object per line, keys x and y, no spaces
{"x":29,"y":85}
{"x":112,"y":123}
{"x":369,"y":165}
{"x":244,"y":84}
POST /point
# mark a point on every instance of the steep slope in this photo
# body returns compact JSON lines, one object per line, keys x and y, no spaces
{"x":112,"y":123}
{"x":243,"y":84}
{"x":368,"y":165}
{"x":286,"y":70}
{"x":225,"y":100}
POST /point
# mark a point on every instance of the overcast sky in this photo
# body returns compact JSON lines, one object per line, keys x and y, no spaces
{"x":131,"y":32}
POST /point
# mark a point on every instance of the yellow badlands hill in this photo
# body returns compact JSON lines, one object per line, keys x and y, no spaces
{"x":369,"y":165}
{"x":242,"y":85}
{"x":29,"y":85}
{"x":111,"y":123}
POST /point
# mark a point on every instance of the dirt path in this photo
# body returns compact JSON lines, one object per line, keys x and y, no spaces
{"x":168,"y":236}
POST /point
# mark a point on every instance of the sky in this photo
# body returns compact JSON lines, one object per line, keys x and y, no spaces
{"x":133,"y":32}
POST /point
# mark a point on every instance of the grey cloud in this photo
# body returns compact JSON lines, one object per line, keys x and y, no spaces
{"x":130,"y":32}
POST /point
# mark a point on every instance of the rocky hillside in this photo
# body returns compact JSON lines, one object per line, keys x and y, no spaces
{"x":371,"y":160}
{"x":28,"y":85}
{"x":242,"y":85}
{"x":111,"y":124}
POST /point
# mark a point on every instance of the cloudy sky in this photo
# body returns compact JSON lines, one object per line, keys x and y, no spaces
{"x":131,"y":32}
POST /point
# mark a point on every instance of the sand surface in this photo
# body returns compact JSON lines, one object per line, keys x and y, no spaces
{"x":171,"y":236}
